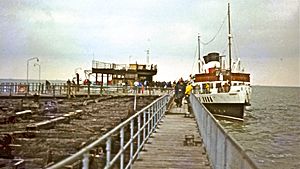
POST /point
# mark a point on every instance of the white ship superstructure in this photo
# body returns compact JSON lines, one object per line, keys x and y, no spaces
{"x":224,"y":91}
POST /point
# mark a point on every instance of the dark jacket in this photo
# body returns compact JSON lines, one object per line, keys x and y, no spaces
{"x":180,"y":90}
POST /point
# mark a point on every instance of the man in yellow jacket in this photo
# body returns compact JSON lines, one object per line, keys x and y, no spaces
{"x":188,"y":89}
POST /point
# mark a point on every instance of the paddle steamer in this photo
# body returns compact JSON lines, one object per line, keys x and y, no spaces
{"x":224,"y":91}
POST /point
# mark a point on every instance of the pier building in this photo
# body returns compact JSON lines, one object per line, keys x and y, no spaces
{"x":122,"y":73}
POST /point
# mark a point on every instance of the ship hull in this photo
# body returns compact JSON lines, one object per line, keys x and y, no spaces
{"x":227,"y":110}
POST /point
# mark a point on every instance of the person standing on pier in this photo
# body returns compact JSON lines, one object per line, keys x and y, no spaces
{"x":179,"y":92}
{"x":188,"y":91}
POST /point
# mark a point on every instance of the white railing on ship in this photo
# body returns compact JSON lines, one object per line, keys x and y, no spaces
{"x":103,"y":65}
{"x":223,"y":151}
{"x":147,"y":121}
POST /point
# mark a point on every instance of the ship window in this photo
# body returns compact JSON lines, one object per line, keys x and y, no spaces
{"x":211,"y":100}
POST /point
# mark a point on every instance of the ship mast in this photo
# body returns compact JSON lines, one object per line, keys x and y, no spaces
{"x":199,"y":66}
{"x":229,"y":42}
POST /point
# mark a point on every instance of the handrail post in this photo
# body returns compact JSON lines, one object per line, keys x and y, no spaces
{"x":151,"y":118}
{"x":122,"y":147}
{"x":225,"y":152}
{"x":27,"y":91}
{"x":42,"y":89}
{"x":154,"y":120}
{"x":134,"y":104}
{"x":10,"y":90}
{"x":216,"y":146}
{"x":69,"y":90}
{"x":165,"y":100}
{"x":156,"y":117}
{"x":108,"y":149}
{"x":85,"y":161}
{"x":60,"y":88}
{"x":148,"y":121}
{"x":131,"y":141}
{"x":144,"y":128}
{"x":53,"y":90}
{"x":39,"y":87}
{"x":139,"y":133}
{"x":159,"y":112}
{"x":89,"y":89}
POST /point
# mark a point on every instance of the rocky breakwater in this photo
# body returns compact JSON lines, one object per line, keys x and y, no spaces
{"x":35,"y":134}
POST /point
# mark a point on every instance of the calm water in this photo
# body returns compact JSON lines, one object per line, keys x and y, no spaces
{"x":271,"y":130}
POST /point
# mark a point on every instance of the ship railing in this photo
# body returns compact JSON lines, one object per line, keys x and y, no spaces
{"x":103,"y":65}
{"x":224,"y":151}
{"x":138,"y":127}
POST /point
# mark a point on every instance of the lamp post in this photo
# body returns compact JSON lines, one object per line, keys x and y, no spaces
{"x":37,"y":59}
{"x":36,"y":64}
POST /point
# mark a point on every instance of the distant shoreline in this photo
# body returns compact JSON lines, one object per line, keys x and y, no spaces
{"x":30,"y":81}
{"x":275,"y":86}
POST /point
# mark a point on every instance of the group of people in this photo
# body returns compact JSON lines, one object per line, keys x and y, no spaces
{"x":182,"y":89}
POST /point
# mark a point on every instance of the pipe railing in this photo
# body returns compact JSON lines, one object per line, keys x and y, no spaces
{"x":73,"y":89}
{"x":224,"y":152}
{"x":141,"y":125}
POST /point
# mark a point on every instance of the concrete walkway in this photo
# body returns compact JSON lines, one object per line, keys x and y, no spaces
{"x":172,"y":146}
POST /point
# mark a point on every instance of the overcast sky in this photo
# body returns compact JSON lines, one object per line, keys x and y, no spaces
{"x":66,"y":35}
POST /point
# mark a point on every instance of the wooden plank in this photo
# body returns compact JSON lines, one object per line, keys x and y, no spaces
{"x":167,"y":148}
{"x":24,"y":112}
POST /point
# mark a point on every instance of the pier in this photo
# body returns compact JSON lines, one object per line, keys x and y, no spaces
{"x":175,"y":144}
{"x":106,"y":132}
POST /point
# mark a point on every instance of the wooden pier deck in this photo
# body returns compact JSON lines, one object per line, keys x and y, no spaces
{"x":168,"y":148}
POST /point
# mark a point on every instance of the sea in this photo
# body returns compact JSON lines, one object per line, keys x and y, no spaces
{"x":270,"y":131}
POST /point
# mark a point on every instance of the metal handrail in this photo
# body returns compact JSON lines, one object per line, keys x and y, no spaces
{"x":19,"y":89}
{"x":223,"y":150}
{"x":152,"y":114}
